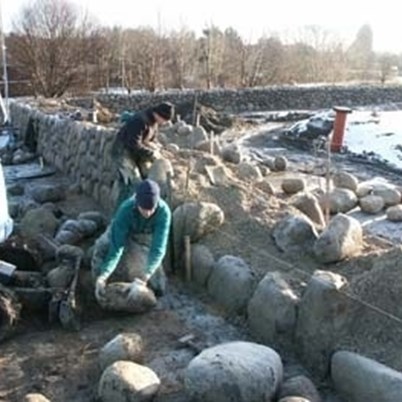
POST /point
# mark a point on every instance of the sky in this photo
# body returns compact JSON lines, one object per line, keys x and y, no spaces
{"x":251,"y":18}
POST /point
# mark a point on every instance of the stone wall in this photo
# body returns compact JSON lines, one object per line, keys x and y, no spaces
{"x":79,"y":150}
{"x":247,"y":100}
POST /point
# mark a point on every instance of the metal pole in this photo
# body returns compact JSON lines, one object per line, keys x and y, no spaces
{"x":4,"y":59}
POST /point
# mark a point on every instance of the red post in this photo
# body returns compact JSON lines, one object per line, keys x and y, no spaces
{"x":339,"y":127}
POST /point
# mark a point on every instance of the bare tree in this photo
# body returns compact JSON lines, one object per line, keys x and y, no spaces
{"x":52,"y":44}
{"x":182,"y":53}
{"x":211,"y":55}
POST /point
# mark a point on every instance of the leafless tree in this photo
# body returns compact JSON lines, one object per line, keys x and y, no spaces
{"x":51,"y":45}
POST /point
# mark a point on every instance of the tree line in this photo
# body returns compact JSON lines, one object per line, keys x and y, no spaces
{"x":53,"y":49}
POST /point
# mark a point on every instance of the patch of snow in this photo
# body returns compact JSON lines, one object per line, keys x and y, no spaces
{"x":379,"y":136}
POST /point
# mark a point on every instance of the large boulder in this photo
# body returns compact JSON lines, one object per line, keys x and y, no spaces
{"x":195,"y":219}
{"x":234,"y":275}
{"x":343,"y":238}
{"x":322,"y":312}
{"x":128,"y":347}
{"x":294,"y":234}
{"x":272,"y":309}
{"x":234,"y":372}
{"x":126,"y":381}
{"x":359,"y":379}
{"x":160,"y":172}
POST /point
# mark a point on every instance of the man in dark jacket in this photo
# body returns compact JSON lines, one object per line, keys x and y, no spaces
{"x":133,"y":146}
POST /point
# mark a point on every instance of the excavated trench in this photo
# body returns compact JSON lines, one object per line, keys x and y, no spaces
{"x":37,"y":355}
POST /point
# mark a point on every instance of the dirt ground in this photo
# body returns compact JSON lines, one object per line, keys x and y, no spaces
{"x":63,"y":365}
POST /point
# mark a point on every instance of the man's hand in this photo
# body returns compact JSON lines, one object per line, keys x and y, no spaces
{"x":100,"y":288}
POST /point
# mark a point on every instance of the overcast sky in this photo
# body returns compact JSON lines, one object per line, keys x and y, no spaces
{"x":251,"y":18}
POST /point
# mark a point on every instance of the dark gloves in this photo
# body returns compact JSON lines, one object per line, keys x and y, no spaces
{"x":146,"y":154}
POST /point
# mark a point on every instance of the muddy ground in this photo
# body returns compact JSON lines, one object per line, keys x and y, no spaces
{"x":63,"y":365}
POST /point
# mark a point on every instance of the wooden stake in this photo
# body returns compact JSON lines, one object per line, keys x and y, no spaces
{"x":211,"y":142}
{"x":327,"y":182}
{"x":187,"y":256}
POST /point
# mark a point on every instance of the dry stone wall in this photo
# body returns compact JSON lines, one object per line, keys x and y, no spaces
{"x":257,"y":99}
{"x":80,"y":150}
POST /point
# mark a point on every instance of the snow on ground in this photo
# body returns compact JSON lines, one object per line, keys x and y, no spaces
{"x":379,"y":135}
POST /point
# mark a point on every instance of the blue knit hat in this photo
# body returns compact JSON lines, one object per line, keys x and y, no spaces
{"x":148,"y":194}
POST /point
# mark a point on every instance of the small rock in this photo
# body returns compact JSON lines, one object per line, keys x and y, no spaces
{"x":184,"y":130}
{"x":13,"y":208}
{"x":265,"y":171}
{"x":69,"y":253}
{"x":390,"y":195}
{"x":60,"y":277}
{"x":15,"y":189}
{"x":35,"y":398}
{"x":280,"y":163}
{"x":394,"y":213}
{"x":48,"y":193}
{"x":232,"y":153}
{"x":125,"y":381}
{"x":340,"y":200}
{"x":294,"y":399}
{"x":266,"y":187}
{"x":247,"y":171}
{"x":172,"y":148}
{"x":128,"y":347}
{"x":309,"y":205}
{"x":67,"y":237}
{"x":117,"y":299}
{"x":300,"y":386}
{"x":371,"y":204}
{"x":198,"y":135}
{"x":37,"y":221}
{"x":345,"y":180}
{"x":293,"y":185}
{"x":87,"y":227}
{"x":205,"y":146}
{"x":95,"y":216}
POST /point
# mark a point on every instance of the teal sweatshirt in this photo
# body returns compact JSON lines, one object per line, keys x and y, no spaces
{"x":129,"y":221}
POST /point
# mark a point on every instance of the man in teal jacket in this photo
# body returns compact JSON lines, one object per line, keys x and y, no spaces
{"x":133,"y":247}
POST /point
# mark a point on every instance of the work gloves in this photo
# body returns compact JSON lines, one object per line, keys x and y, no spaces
{"x":100,"y":288}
